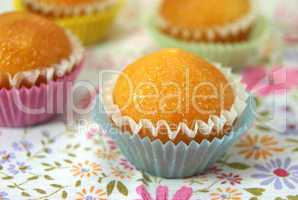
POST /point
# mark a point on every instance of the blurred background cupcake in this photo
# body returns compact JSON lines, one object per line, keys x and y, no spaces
{"x":173,"y":114}
{"x":228,"y":31}
{"x":38,"y":62}
{"x":90,"y":20}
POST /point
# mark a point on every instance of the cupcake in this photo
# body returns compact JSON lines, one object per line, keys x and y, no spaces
{"x":207,"y":20}
{"x":227,"y":31}
{"x":89,"y":19}
{"x":38,"y":61}
{"x":173,"y":114}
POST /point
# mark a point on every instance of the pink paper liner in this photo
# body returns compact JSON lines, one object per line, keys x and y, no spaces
{"x":52,"y":97}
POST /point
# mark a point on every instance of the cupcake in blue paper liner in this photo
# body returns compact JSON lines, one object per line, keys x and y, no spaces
{"x":228,"y":31}
{"x":173,"y":114}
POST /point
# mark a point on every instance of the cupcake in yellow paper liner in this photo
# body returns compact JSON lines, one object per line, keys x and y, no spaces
{"x":90,"y":20}
{"x":173,"y":114}
{"x":226,"y":31}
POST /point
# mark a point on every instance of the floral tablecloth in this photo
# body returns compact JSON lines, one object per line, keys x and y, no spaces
{"x":56,"y":161}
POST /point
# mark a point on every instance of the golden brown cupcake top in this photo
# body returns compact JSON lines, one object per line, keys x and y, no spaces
{"x":68,"y":2}
{"x":172,"y":85}
{"x":203,"y":13}
{"x":29,"y":42}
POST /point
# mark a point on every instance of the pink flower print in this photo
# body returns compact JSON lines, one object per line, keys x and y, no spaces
{"x":162,"y":193}
{"x":112,"y":144}
{"x":92,"y":132}
{"x":264,"y":82}
{"x":126,"y":165}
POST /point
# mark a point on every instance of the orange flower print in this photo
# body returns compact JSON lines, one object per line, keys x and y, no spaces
{"x":107,"y":155}
{"x":92,"y":194}
{"x":86,"y":169}
{"x":258,"y":147}
{"x":121,"y":174}
{"x":226,"y":194}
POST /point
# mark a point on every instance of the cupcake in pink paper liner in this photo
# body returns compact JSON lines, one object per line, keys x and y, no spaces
{"x":287,"y":18}
{"x":38,"y":63}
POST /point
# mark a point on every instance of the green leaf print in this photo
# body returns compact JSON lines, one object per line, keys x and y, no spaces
{"x":25,"y":194}
{"x":7,"y":177}
{"x":122,"y":188}
{"x":56,"y":186}
{"x":290,"y":197}
{"x":110,"y":187}
{"x":40,"y":191}
{"x":78,"y":183}
{"x":255,"y":191}
{"x":64,"y":195}
{"x":32,"y":178}
{"x":48,"y":177}
{"x":236,"y":165}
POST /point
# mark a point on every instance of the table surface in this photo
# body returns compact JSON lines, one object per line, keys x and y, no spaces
{"x":55,"y":161}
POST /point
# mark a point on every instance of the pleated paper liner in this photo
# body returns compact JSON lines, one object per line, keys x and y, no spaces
{"x":170,"y":160}
{"x":20,"y":107}
{"x":236,"y":55}
{"x":89,"y":28}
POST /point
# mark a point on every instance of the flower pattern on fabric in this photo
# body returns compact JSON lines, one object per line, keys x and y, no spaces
{"x":4,"y":196}
{"x":117,"y":172}
{"x":126,"y":165}
{"x":231,"y":178}
{"x":226,"y":194}
{"x":258,"y":147}
{"x":291,"y":129}
{"x":86,"y":169}
{"x":22,"y":146}
{"x":6,"y":157}
{"x":91,"y":194}
{"x":107,"y":154}
{"x":278,"y":172}
{"x":19,"y":167}
{"x":162,"y":193}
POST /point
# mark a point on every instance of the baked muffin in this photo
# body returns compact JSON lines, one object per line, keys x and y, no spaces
{"x":35,"y":54}
{"x":229,"y":32}
{"x":89,"y":19}
{"x":173,"y":73}
{"x":207,"y":20}
{"x":173,"y":101}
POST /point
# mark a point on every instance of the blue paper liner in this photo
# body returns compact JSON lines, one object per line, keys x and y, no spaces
{"x":170,"y":160}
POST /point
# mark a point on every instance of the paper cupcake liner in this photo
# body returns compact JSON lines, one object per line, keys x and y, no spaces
{"x":69,"y":10}
{"x":89,"y":28}
{"x":52,"y":96}
{"x":170,"y":160}
{"x":243,"y":24}
{"x":236,"y":55}
{"x":217,"y":123}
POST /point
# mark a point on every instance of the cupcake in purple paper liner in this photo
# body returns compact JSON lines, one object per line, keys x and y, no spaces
{"x":38,"y":63}
{"x":173,"y":113}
